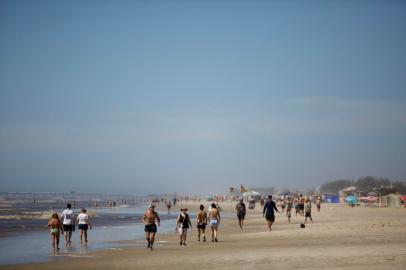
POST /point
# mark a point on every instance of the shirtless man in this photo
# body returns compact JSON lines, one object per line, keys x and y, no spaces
{"x":201,"y":223}
{"x":308,"y":210}
{"x":318,"y":203}
{"x":289,"y":206}
{"x":150,"y":227}
{"x":301,"y":206}
{"x":241,"y":211}
{"x":214,"y":221}
{"x":297,"y":207}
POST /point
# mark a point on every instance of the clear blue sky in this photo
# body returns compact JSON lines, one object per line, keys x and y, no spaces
{"x":162,"y":96}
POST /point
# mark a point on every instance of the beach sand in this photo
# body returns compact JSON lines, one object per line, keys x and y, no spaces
{"x":340,"y":238}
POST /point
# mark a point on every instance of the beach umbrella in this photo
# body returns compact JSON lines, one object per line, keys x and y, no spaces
{"x":363,"y":199}
{"x":351,"y":199}
{"x":251,"y":193}
{"x":372,"y":198}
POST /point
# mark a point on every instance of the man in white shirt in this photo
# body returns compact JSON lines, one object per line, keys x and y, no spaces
{"x":68,"y":218}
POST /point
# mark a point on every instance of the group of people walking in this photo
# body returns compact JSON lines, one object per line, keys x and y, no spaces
{"x":66,"y":224}
{"x":212,"y":219}
{"x":302,"y":206}
{"x":183,"y":224}
{"x":268,"y":212}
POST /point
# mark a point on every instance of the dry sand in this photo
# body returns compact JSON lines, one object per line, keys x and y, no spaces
{"x":340,"y":238}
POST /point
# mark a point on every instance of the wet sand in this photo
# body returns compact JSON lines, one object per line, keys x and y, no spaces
{"x":340,"y":238}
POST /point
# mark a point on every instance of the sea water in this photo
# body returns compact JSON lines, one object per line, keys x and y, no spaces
{"x":32,"y":243}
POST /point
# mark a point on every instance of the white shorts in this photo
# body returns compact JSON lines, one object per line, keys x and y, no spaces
{"x":182,"y":231}
{"x":214,"y":223}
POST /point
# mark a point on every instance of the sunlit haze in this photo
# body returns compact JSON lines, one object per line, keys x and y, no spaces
{"x":142,"y":97}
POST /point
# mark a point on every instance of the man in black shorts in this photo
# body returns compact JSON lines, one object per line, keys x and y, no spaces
{"x":241,"y":211}
{"x":308,"y":210}
{"x":68,"y":221}
{"x":268,"y":211}
{"x":150,"y":227}
{"x":201,"y":223}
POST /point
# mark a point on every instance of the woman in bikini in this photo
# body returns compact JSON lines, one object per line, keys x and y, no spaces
{"x":54,"y":224}
{"x":214,"y":221}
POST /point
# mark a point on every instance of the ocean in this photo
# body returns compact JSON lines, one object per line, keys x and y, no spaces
{"x":24,"y":236}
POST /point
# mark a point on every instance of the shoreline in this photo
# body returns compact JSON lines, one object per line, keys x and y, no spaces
{"x":32,"y":244}
{"x":340,"y":237}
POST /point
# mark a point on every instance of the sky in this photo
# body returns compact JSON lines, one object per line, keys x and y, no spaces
{"x":141,"y":97}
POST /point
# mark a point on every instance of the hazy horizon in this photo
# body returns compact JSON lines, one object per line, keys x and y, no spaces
{"x":147,"y":97}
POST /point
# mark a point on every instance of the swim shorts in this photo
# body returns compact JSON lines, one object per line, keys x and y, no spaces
{"x":182,"y":231}
{"x":201,"y":226}
{"x":308,"y":214}
{"x":150,"y":228}
{"x":83,"y":227}
{"x":241,"y":216}
{"x":214,"y":223}
{"x":67,"y":228}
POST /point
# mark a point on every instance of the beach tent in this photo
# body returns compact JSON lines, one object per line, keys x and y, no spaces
{"x":210,"y":198}
{"x":393,"y":201}
{"x":330,"y":198}
{"x":363,"y":199}
{"x":251,"y":195}
{"x":351,"y":199}
{"x":373,"y":194}
{"x":372,"y":199}
{"x":347,"y":191}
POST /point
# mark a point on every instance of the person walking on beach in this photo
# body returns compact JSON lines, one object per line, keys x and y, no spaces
{"x":283,"y":205}
{"x":183,"y":224}
{"x":201,"y":223}
{"x":301,"y":206}
{"x":150,"y":227}
{"x":289,"y":206}
{"x":83,"y":221}
{"x":214,"y":221}
{"x":68,"y":218}
{"x":269,"y":213}
{"x":54,"y":224}
{"x":262,"y":201}
{"x":297,"y":207}
{"x":308,"y":210}
{"x":241,"y":211}
{"x":318,"y":203}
